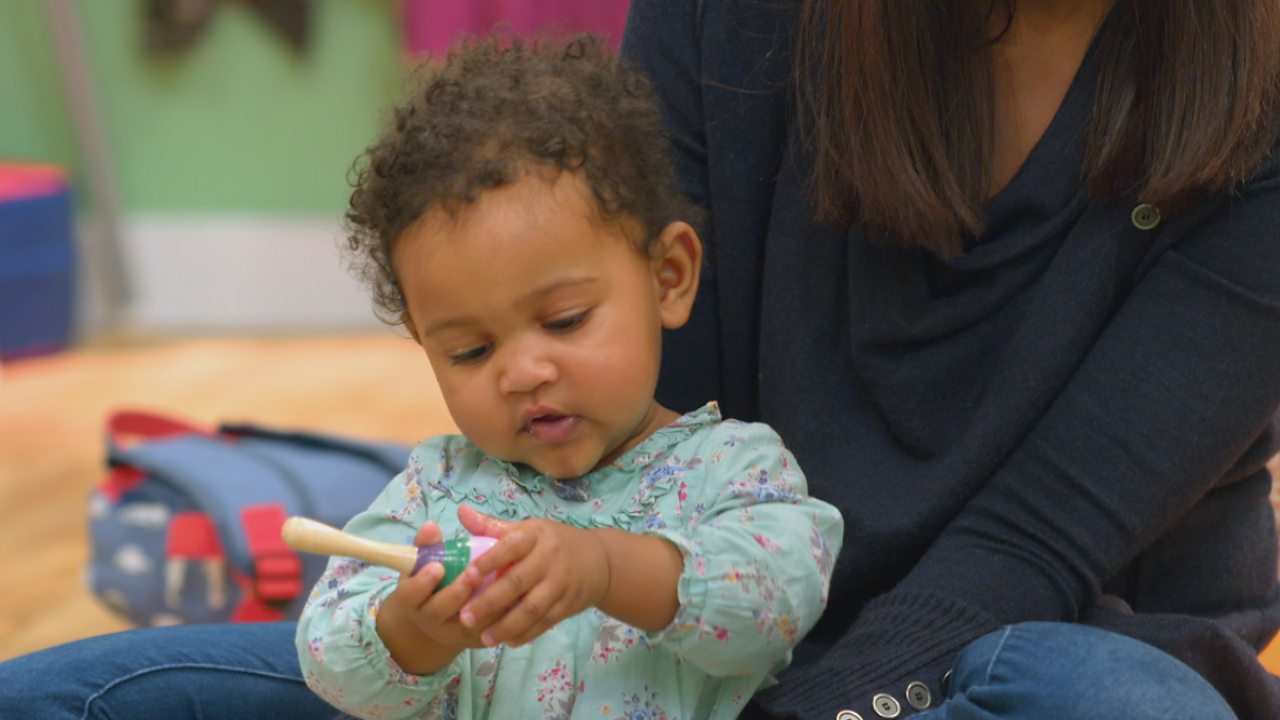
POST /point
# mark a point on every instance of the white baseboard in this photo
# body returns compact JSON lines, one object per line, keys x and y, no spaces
{"x":230,"y":274}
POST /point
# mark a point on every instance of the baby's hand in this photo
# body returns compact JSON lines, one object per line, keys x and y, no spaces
{"x":550,"y":571}
{"x":419,"y":610}
{"x":434,"y":610}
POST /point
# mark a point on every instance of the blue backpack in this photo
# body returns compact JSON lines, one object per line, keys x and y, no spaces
{"x":185,"y":528}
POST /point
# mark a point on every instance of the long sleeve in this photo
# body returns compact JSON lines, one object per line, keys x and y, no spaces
{"x":1160,"y":414}
{"x":343,"y":659}
{"x":758,"y":555}
{"x":1179,"y":385}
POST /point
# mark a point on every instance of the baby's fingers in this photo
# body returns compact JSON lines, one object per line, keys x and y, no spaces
{"x":527,"y":619}
{"x":477,"y":523}
{"x":416,"y":589}
{"x":517,"y":579}
{"x":445,"y":603}
{"x":422,"y":591}
{"x":515,"y":546}
{"x":428,"y":534}
{"x":559,"y":611}
{"x":501,"y":560}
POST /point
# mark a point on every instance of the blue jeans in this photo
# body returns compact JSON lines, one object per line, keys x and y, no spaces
{"x":1056,"y":670}
{"x":210,"y":672}
{"x":1032,"y":670}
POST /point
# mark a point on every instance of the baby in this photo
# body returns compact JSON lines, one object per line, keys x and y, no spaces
{"x":520,"y":219}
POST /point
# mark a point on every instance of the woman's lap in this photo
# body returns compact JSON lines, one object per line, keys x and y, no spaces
{"x":1067,"y":671}
{"x":194,"y":671}
{"x":1030,"y":670}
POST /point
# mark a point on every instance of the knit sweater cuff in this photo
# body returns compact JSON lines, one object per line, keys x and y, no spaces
{"x":898,"y":639}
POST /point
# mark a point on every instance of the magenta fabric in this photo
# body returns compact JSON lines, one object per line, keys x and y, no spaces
{"x":431,"y":26}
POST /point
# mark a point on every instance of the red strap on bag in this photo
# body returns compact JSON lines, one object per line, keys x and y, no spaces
{"x":251,"y":609}
{"x":124,"y":426}
{"x":277,"y":570}
{"x":120,"y":480}
{"x":128,"y":426}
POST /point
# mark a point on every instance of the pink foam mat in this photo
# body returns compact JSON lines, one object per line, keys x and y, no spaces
{"x":25,"y":181}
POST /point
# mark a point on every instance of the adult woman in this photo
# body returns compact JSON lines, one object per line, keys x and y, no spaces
{"x":1027,"y":344}
{"x":1024,"y":346}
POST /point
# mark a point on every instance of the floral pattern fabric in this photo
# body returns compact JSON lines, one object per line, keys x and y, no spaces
{"x":758,"y":556}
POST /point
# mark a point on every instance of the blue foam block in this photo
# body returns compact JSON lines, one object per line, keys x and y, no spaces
{"x":37,"y":274}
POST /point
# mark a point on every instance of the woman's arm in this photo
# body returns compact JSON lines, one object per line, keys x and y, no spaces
{"x":1182,"y":380}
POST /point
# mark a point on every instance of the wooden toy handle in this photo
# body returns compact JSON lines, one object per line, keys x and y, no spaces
{"x":307,"y":535}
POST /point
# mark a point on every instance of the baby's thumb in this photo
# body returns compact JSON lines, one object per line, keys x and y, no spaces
{"x":477,"y":523}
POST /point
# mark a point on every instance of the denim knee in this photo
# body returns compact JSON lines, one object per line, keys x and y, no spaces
{"x":212,"y":671}
{"x":1069,"y":671}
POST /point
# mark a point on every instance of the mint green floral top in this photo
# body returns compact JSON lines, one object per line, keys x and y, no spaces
{"x":758,"y":555}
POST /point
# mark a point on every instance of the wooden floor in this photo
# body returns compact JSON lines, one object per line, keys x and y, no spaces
{"x":51,"y":414}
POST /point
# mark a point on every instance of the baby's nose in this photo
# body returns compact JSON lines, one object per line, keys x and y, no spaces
{"x":526,"y":372}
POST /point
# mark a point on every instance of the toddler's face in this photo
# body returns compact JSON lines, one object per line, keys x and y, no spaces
{"x":542,"y":323}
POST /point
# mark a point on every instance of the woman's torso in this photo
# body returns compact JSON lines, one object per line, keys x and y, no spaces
{"x":904,"y":383}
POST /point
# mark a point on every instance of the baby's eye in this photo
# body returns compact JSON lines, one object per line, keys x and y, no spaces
{"x":470,"y":355}
{"x":568,"y":322}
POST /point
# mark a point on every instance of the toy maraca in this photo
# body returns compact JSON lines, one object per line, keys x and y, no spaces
{"x":307,"y":535}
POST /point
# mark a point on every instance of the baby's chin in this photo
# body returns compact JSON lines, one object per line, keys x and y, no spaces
{"x":567,"y":462}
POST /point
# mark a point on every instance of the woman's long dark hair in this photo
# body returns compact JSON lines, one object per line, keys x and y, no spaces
{"x":897,"y":99}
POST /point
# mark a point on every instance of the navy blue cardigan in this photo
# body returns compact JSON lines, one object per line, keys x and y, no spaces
{"x":1077,"y":407}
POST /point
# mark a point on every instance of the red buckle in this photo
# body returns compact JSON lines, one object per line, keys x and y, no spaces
{"x":277,"y":571}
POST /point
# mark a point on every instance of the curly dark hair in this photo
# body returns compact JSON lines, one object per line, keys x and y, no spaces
{"x":495,"y":109}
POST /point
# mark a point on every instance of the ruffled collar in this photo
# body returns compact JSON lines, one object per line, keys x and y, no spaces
{"x":625,"y":465}
{"x":619,"y":494}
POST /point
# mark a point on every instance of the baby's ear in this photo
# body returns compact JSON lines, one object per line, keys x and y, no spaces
{"x":677,"y":268}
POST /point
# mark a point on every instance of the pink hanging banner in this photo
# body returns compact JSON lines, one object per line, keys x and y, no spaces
{"x":432,"y":26}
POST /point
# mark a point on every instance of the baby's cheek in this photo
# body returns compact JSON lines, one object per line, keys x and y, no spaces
{"x":629,"y":370}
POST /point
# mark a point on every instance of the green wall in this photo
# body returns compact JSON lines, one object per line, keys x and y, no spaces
{"x":238,"y":124}
{"x":33,"y":122}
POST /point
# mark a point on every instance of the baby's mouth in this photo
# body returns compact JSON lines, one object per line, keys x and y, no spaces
{"x":551,"y":428}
